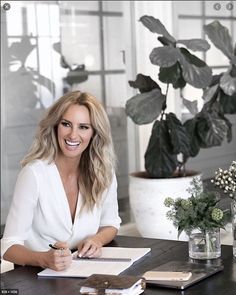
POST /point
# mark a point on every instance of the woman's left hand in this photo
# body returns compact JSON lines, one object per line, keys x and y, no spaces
{"x":90,"y":247}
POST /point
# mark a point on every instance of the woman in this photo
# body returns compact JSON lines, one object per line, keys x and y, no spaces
{"x":66,"y":192}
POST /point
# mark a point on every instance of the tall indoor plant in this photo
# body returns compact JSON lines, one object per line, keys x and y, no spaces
{"x":173,"y":142}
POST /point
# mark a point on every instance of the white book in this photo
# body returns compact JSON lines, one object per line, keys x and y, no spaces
{"x":113,"y":260}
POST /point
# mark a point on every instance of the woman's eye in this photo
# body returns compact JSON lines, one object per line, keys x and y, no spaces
{"x":65,"y":124}
{"x":83,"y":127}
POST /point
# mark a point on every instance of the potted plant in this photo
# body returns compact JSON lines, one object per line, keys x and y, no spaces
{"x":173,"y":142}
{"x":201,"y":218}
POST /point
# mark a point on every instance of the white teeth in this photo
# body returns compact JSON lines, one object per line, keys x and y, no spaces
{"x":72,"y":143}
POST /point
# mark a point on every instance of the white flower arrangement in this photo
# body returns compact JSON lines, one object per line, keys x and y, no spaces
{"x":226,"y":180}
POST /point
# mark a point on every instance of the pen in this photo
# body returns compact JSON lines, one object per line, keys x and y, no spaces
{"x":55,"y":248}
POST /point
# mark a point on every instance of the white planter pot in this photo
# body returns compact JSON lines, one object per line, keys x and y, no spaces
{"x":147,"y":197}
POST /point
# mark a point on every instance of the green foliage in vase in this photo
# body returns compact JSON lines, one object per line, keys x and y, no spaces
{"x":199,"y":211}
{"x":173,"y":142}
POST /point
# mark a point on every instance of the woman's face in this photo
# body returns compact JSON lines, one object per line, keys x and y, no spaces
{"x":74,"y":131}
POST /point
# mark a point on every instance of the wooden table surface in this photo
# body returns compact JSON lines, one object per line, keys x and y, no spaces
{"x":24,"y":280}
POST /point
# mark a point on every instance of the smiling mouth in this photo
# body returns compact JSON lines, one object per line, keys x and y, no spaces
{"x":72,"y":143}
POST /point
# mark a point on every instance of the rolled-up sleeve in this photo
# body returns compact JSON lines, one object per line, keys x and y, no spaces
{"x":20,"y":217}
{"x":110,"y":210}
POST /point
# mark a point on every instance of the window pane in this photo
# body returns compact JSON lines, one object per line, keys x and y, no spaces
{"x":43,"y":14}
{"x":79,"y":45}
{"x":31,"y":20}
{"x":190,"y":28}
{"x":14,"y":20}
{"x":114,"y":6}
{"x":54,"y":20}
{"x":80,"y":5}
{"x":187,"y":7}
{"x":114,"y":43}
{"x":30,"y":64}
{"x":116,"y":89}
{"x":92,"y":85}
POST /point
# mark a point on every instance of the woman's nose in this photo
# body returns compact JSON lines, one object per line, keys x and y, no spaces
{"x":74,"y":133}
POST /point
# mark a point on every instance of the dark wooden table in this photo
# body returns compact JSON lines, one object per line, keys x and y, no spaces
{"x":26,"y":282}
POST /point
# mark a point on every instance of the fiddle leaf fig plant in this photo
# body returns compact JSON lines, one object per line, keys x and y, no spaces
{"x":223,"y":86}
{"x":172,"y":141}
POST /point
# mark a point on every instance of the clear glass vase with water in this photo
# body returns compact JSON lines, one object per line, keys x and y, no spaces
{"x":205,"y":244}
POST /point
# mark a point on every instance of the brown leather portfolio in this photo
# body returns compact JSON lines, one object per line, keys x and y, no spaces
{"x":112,"y":284}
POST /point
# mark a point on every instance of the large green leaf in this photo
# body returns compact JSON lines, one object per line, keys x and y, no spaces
{"x":210,"y":92}
{"x":212,"y":130}
{"x":155,"y":26}
{"x":190,"y":126}
{"x":164,"y":41}
{"x":164,"y":56}
{"x":170,"y":74}
{"x":144,"y":83}
{"x":195,"y":44}
{"x":178,"y":136}
{"x":219,"y":36}
{"x":229,"y":131}
{"x":180,"y":83}
{"x":192,"y":106}
{"x":146,"y":107}
{"x":191,"y":58}
{"x":228,"y":103}
{"x":159,"y":159}
{"x":228,"y":83}
{"x":193,"y":70}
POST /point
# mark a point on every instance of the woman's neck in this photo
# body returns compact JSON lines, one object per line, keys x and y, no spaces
{"x":67,"y":166}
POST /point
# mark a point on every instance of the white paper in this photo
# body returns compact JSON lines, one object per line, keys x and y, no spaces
{"x":119,"y":252}
{"x":85,"y":268}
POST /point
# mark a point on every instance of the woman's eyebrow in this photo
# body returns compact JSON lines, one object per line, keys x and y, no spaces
{"x":88,"y":124}
{"x":65,"y":119}
{"x":68,"y":121}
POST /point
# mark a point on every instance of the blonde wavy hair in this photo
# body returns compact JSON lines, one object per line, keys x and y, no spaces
{"x":98,"y":161}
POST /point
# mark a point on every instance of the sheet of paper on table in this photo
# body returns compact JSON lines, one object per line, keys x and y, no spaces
{"x":123,"y":259}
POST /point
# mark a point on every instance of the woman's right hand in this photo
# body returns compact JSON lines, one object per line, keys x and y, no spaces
{"x":59,"y":259}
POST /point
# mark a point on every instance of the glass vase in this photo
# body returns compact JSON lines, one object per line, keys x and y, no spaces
{"x":205,"y":244}
{"x":233,"y":214}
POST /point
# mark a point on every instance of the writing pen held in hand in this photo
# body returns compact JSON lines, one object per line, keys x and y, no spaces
{"x":55,"y":248}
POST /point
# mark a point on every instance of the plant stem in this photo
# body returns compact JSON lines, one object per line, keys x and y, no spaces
{"x":164,"y":104}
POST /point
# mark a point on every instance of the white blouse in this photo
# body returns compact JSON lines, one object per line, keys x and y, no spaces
{"x":40,"y":213}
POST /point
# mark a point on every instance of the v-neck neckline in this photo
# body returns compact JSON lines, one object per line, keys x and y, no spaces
{"x":65,"y":199}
